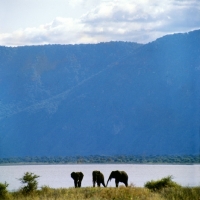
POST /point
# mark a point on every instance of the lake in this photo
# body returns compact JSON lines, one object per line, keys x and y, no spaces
{"x":57,"y":176}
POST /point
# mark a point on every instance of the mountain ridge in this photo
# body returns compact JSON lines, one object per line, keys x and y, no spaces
{"x":106,"y":99}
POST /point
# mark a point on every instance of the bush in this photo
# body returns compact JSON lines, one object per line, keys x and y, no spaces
{"x":3,"y":191}
{"x":31,"y":183}
{"x":158,"y":185}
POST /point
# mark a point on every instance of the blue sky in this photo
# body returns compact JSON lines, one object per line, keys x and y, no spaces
{"x":37,"y":22}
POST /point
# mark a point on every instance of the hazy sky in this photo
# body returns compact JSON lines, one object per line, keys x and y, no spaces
{"x":34,"y":22}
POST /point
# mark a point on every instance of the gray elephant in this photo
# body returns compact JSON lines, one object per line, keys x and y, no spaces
{"x":119,"y":176}
{"x":98,"y":177}
{"x":78,"y":177}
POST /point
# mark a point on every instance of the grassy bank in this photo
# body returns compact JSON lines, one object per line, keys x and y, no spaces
{"x":162,"y":189}
{"x":121,"y":193}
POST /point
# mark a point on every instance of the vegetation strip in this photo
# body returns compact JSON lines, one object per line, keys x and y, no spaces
{"x":185,"y":159}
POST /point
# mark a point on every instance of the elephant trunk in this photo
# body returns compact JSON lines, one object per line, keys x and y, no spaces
{"x":109,"y":179}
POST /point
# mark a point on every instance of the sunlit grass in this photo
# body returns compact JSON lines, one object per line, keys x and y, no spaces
{"x":88,"y":193}
{"x":183,"y":193}
{"x":110,"y":193}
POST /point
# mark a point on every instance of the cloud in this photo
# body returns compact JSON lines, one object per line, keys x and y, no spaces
{"x":142,"y":21}
{"x":60,"y":30}
{"x":132,"y":20}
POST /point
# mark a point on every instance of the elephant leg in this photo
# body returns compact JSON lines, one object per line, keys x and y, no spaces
{"x":93,"y":183}
{"x":98,"y":183}
{"x":75,"y":183}
{"x":126,"y":183}
{"x":79,"y":183}
{"x":116,"y":183}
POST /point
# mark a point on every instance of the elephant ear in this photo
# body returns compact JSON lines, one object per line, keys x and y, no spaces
{"x":73,"y":174}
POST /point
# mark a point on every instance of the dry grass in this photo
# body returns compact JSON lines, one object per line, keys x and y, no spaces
{"x":184,"y":193}
{"x":121,"y":193}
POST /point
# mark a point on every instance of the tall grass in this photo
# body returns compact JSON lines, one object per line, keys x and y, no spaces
{"x":121,"y":193}
{"x":183,"y":193}
{"x":88,"y":193}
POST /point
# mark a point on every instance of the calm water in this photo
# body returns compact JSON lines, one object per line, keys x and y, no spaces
{"x":57,"y":176}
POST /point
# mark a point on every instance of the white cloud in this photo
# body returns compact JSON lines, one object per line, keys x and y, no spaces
{"x":142,"y":21}
{"x":60,"y":30}
{"x":132,"y":20}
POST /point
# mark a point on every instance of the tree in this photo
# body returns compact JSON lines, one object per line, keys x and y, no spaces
{"x":29,"y":179}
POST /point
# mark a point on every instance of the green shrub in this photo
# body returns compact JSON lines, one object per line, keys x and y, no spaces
{"x":158,"y":185}
{"x":3,"y":191}
{"x":29,"y":179}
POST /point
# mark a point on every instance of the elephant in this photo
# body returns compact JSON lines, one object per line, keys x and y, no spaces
{"x":98,"y":177}
{"x":120,"y":176}
{"x":78,"y":177}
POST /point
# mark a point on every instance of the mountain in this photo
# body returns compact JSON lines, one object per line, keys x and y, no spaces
{"x":101,"y":99}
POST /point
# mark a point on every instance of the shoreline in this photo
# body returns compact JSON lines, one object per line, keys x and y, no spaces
{"x":23,"y":164}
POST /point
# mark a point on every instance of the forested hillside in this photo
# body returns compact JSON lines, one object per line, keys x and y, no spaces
{"x":101,"y":99}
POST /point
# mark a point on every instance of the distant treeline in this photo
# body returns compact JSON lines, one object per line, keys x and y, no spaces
{"x":188,"y":159}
